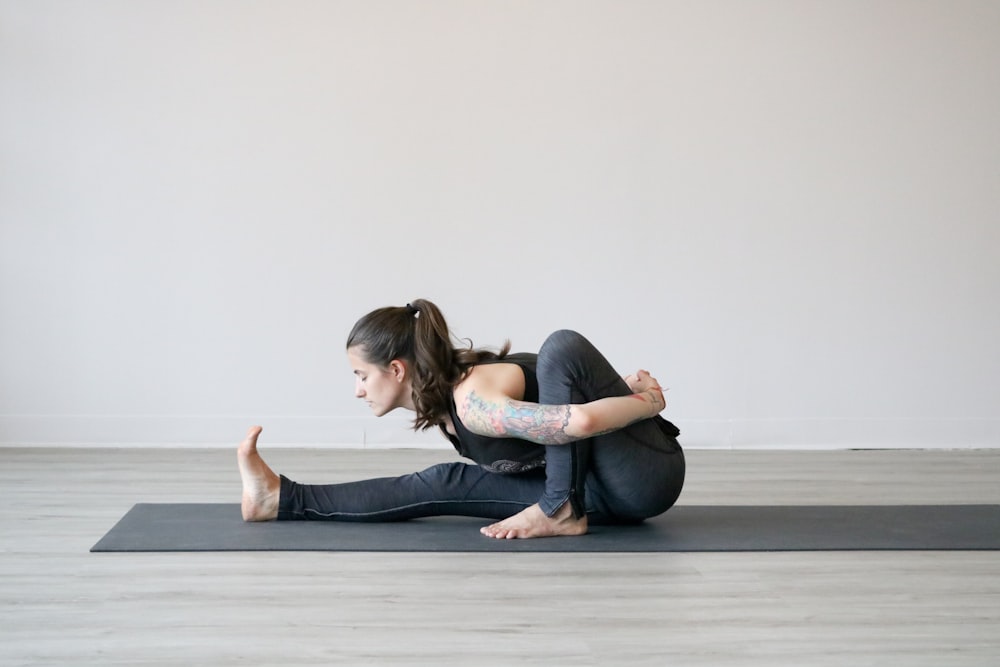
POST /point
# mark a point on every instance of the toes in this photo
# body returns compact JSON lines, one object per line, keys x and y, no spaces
{"x":496,"y":531}
{"x":249,"y":443}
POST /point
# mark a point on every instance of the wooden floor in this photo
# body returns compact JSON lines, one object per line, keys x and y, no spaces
{"x":61,"y":605}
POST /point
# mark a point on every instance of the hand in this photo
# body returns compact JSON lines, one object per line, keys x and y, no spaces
{"x":644,"y":383}
{"x":641,"y":381}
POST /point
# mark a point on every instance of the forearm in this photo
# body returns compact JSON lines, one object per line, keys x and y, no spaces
{"x":610,"y":414}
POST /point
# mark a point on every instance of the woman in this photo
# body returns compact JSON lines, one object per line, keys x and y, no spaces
{"x":559,"y":438}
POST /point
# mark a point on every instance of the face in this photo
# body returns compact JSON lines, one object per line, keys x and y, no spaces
{"x":384,"y":389}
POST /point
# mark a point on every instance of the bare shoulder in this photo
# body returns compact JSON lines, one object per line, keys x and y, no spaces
{"x":495,"y":380}
{"x":490,"y":402}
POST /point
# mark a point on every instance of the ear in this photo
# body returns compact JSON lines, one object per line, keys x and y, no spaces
{"x":398,"y":369}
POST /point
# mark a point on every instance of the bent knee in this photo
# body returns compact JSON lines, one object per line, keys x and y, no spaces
{"x":563,"y":343}
{"x":564,"y":337}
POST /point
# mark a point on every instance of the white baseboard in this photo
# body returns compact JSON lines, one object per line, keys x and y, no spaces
{"x":211,"y":431}
{"x":796,"y":434}
{"x":394,"y":432}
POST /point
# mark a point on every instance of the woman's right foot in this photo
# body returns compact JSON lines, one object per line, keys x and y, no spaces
{"x":532,"y":522}
{"x":261,"y":486}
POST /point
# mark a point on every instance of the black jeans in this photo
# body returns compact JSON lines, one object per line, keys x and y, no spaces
{"x":620,"y":477}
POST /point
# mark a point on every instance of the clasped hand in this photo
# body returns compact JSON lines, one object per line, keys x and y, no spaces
{"x":642,"y":382}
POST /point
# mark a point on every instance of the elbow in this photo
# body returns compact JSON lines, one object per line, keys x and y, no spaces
{"x":584,"y":423}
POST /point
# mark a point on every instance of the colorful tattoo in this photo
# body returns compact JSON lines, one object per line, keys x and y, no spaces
{"x":544,"y":424}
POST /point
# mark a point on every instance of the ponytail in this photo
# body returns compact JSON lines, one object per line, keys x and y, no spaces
{"x":418,"y":334}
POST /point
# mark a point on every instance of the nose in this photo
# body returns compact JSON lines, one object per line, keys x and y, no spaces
{"x":359,"y":389}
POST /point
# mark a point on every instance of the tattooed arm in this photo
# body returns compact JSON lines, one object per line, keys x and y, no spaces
{"x":496,"y":415}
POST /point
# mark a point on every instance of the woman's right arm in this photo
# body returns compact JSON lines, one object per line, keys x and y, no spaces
{"x":499,"y":416}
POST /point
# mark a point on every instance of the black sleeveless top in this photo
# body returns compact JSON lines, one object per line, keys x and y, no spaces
{"x":505,"y":455}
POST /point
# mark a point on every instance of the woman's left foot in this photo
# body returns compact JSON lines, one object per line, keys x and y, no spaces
{"x":261,"y":486}
{"x":532,"y":522}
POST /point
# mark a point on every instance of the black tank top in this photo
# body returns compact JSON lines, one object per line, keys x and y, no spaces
{"x":505,"y":455}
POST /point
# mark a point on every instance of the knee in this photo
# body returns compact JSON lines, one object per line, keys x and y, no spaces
{"x":563,"y":343}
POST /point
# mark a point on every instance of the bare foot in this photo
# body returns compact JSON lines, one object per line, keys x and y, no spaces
{"x":532,"y":522}
{"x":261,"y":487}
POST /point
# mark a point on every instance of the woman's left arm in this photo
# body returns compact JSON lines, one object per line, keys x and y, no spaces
{"x":495,"y":415}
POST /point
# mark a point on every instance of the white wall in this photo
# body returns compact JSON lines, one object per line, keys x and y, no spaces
{"x":787,"y":210}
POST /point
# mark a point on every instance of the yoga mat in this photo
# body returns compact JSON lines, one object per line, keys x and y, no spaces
{"x":219,"y":527}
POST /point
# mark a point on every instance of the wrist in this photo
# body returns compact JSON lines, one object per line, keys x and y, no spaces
{"x":656,"y":400}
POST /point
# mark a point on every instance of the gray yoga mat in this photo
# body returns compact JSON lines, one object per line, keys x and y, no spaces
{"x":219,"y":527}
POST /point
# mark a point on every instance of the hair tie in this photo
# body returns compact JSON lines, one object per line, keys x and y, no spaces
{"x":411,"y":309}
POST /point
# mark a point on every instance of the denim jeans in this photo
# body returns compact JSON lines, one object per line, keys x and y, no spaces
{"x":620,"y":477}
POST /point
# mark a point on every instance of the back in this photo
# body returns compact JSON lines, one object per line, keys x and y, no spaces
{"x":504,"y":455}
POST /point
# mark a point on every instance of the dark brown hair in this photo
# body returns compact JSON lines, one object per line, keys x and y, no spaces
{"x":418,"y":334}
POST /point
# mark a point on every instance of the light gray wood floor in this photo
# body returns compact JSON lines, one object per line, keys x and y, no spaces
{"x":61,"y":605}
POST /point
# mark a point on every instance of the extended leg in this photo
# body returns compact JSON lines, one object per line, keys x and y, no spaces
{"x":444,"y":489}
{"x":457,"y":489}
